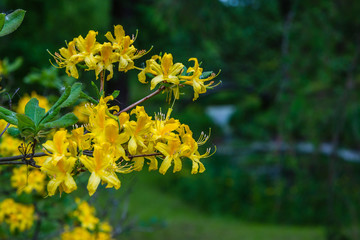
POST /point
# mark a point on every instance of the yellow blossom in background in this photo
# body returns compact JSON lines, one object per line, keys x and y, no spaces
{"x":81,"y":112}
{"x":43,"y":102}
{"x":77,"y":233}
{"x":18,"y":216}
{"x":86,"y":215}
{"x":28,"y":180}
{"x":9,"y":146}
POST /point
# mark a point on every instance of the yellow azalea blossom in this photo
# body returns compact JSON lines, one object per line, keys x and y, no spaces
{"x":163,"y":126}
{"x":60,"y":175}
{"x":171,"y":151}
{"x":139,"y":161}
{"x":105,"y":60}
{"x":166,"y":71}
{"x":59,"y":165}
{"x":58,"y":147}
{"x":123,"y":44}
{"x":88,"y":47}
{"x":81,"y":140}
{"x":102,"y":167}
{"x":85,"y":214}
{"x":195,"y":81}
{"x":112,"y":136}
{"x":43,"y":102}
{"x":26,"y":180}
{"x":68,"y":58}
{"x":18,"y":216}
{"x":138,"y":131}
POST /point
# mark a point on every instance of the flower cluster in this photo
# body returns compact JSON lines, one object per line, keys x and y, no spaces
{"x":164,"y":70}
{"x":117,"y":144}
{"x":91,"y":228}
{"x":17,"y":216}
{"x":28,"y":180}
{"x":99,"y":57}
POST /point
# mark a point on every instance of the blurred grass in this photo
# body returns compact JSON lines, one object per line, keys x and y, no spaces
{"x":164,"y":216}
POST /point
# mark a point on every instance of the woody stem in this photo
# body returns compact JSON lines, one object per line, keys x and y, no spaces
{"x":141,"y":100}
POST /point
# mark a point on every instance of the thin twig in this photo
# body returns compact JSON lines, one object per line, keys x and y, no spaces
{"x":141,"y":100}
{"x":2,"y":133}
{"x":18,"y":157}
{"x":90,"y":154}
{"x":18,"y":163}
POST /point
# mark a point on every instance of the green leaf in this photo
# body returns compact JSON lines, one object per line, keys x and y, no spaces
{"x":12,"y":22}
{"x":89,"y":98}
{"x":33,"y":111}
{"x":8,"y":116}
{"x":115,"y":94}
{"x":15,"y":65}
{"x":2,"y":20}
{"x":14,"y":132}
{"x":73,"y":97}
{"x":96,"y":89}
{"x":55,"y":109}
{"x":26,"y":126}
{"x":65,"y":121}
{"x":206,"y":74}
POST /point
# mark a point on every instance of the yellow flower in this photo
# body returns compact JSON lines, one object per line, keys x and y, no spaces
{"x":86,"y":215}
{"x":166,"y":71}
{"x":138,"y":131}
{"x":26,"y":180}
{"x":58,"y":147}
{"x":78,"y":233}
{"x":195,"y":81}
{"x":105,"y":60}
{"x":59,"y":165}
{"x":164,"y":127}
{"x":123,"y":45}
{"x":102,"y":167}
{"x":68,"y":58}
{"x":43,"y":102}
{"x":9,"y":146}
{"x":171,"y":151}
{"x":16,"y":215}
{"x":81,"y":112}
{"x":88,"y":47}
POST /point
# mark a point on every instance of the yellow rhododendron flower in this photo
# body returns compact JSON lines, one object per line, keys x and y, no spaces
{"x":171,"y":151}
{"x":9,"y":146}
{"x":88,"y":47}
{"x":166,"y":71}
{"x":59,"y":165}
{"x":77,"y":233}
{"x":102,"y":167}
{"x":81,"y":112}
{"x":195,"y":81}
{"x":68,"y":58}
{"x":123,"y":44}
{"x":105,"y":60}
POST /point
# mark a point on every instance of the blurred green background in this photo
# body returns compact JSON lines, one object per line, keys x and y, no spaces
{"x":285,"y":120}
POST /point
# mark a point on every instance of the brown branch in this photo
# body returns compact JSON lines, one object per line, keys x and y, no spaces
{"x":18,"y":157}
{"x":141,"y":100}
{"x":90,"y":154}
{"x":2,"y":133}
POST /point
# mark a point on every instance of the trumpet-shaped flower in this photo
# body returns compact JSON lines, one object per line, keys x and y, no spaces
{"x":166,"y":71}
{"x":139,"y":131}
{"x":57,"y":147}
{"x":102,"y":167}
{"x":105,"y":60}
{"x":68,"y":58}
{"x":123,"y":45}
{"x":171,"y":151}
{"x":195,"y":79}
{"x":88,"y":47}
